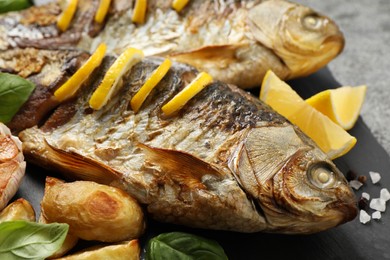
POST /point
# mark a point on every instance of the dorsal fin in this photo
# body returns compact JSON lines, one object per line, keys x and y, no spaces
{"x":179,"y":166}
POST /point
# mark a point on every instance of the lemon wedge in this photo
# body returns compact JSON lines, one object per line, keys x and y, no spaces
{"x":178,"y":5}
{"x":70,"y":87}
{"x":330,"y":137}
{"x":139,"y":11}
{"x":342,"y":105}
{"x":66,"y":16}
{"x":109,"y":84}
{"x":101,"y":13}
{"x":181,"y":98}
{"x":156,"y":76}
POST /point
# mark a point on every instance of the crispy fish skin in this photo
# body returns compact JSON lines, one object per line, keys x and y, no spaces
{"x":225,"y":161}
{"x":48,"y":70}
{"x":235,"y":41}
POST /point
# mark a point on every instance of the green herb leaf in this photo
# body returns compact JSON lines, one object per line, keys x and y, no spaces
{"x":29,"y":240}
{"x":14,"y":91}
{"x":178,"y":245}
{"x":13,"y":5}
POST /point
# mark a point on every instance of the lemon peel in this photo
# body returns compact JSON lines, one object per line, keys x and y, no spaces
{"x":341,"y":105}
{"x":110,"y":82}
{"x":70,"y":87}
{"x":330,"y":137}
{"x":156,"y":76}
{"x":181,"y":98}
{"x":66,"y":16}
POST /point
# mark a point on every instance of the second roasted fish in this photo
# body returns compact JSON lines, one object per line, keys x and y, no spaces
{"x":235,"y":41}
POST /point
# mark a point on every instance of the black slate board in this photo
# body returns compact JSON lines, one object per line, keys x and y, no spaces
{"x":349,"y":241}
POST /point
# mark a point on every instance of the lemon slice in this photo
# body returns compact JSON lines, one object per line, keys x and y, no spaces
{"x":342,"y":105}
{"x":109,"y":84}
{"x":66,"y":16}
{"x":156,"y":76}
{"x":101,"y":13}
{"x":330,"y":137}
{"x":178,"y":5}
{"x":181,"y":98}
{"x":139,"y":11}
{"x":73,"y":84}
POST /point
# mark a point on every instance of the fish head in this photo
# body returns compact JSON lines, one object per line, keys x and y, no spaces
{"x":294,"y":186}
{"x":303,"y":39}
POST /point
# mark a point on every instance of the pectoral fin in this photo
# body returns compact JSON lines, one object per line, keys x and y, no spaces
{"x":215,"y":55}
{"x":78,"y":166}
{"x":183,"y":168}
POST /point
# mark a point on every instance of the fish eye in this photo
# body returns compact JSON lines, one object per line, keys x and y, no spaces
{"x":321,"y":175}
{"x":312,"y":21}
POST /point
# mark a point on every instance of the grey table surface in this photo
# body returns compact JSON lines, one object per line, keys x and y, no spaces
{"x":365,"y":59}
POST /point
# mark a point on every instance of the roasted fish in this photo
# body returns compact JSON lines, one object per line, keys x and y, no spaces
{"x":12,"y":165}
{"x":224,"y":161}
{"x":235,"y":41}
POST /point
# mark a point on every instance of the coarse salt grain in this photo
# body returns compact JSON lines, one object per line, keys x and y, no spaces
{"x":378,"y":204}
{"x":376,"y":215}
{"x":366,"y":195}
{"x":355,"y":184}
{"x":375,"y":177}
{"x":364,"y":217}
{"x":385,"y":194}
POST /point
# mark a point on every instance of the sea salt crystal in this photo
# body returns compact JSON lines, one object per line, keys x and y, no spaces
{"x":366,"y":195}
{"x":385,"y":194}
{"x":375,"y":177}
{"x":355,"y":184}
{"x":364,"y":217}
{"x":378,"y":204}
{"x":376,"y":215}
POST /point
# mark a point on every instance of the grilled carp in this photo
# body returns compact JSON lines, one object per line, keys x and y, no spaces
{"x":224,"y":161}
{"x":235,"y":41}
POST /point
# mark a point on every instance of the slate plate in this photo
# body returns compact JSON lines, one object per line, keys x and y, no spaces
{"x":349,"y":241}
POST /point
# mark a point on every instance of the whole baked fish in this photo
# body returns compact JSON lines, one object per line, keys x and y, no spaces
{"x":224,"y":161}
{"x":234,"y":41}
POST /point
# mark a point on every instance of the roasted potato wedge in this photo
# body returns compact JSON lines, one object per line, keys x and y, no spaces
{"x":128,"y":251}
{"x":93,"y":211}
{"x":70,"y":240}
{"x":20,"y":209}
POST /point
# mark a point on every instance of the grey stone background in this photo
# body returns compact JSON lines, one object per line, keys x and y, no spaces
{"x":366,"y":57}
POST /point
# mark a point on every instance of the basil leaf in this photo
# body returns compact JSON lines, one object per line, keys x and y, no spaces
{"x":14,"y":91}
{"x":29,"y":240}
{"x":178,"y":245}
{"x":13,"y":5}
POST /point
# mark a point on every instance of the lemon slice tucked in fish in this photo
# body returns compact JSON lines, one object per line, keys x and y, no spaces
{"x":139,"y":11}
{"x":107,"y":87}
{"x":73,"y":83}
{"x":67,"y":14}
{"x":148,"y":86}
{"x":330,"y":137}
{"x":101,"y":13}
{"x":342,"y":105}
{"x":178,"y":5}
{"x":178,"y":101}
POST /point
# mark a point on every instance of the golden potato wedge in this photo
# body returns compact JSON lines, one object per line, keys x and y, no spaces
{"x":20,"y":209}
{"x":93,"y":211}
{"x":128,"y":251}
{"x":69,"y":242}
